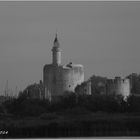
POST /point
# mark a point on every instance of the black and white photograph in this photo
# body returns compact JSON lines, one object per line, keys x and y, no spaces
{"x":69,"y":69}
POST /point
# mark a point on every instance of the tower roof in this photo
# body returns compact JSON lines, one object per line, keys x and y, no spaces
{"x":56,"y":42}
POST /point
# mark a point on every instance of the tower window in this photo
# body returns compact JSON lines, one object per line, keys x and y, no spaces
{"x":69,"y":85}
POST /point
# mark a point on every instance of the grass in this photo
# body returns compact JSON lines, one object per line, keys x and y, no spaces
{"x":62,"y":125}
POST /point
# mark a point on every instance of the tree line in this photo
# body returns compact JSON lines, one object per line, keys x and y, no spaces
{"x":25,"y":106}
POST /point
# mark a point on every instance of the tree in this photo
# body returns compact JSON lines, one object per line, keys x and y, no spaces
{"x":98,"y":84}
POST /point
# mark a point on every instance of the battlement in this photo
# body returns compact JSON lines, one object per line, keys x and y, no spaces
{"x":118,"y":86}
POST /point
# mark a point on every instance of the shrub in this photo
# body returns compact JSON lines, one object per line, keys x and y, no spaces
{"x":26,"y":107}
{"x":48,"y":116}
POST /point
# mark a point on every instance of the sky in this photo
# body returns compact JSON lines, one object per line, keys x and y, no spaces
{"x":102,"y":36}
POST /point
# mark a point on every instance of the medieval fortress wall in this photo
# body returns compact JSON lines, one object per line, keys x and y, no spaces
{"x":118,"y":86}
{"x":72,"y":75}
{"x":59,"y":78}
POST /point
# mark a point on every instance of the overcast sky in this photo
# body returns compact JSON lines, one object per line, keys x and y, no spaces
{"x":103,"y":36}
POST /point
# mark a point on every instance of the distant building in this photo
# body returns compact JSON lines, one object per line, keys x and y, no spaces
{"x":118,"y":86}
{"x":34,"y":91}
{"x":135,"y":83}
{"x":59,"y":78}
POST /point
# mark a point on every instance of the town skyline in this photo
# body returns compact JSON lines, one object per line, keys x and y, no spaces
{"x":102,"y":36}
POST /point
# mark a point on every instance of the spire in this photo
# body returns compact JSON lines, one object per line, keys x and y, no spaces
{"x":56,"y":52}
{"x":56,"y":42}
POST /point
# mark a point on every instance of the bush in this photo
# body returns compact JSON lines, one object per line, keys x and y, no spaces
{"x":48,"y":116}
{"x":70,"y":101}
{"x":26,"y":107}
{"x":133,"y":104}
{"x":99,"y":102}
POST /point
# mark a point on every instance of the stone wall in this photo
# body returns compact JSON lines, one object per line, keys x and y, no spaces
{"x":58,"y":79}
{"x":118,"y":86}
{"x":72,"y":76}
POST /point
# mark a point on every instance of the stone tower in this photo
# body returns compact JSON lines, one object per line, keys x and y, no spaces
{"x":56,"y":52}
{"x":118,"y":86}
{"x":58,"y":78}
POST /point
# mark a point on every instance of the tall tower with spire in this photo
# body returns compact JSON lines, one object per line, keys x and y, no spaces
{"x":58,"y":78}
{"x":56,"y":52}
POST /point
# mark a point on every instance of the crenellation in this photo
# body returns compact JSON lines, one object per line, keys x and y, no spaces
{"x":59,"y":78}
{"x":118,"y":86}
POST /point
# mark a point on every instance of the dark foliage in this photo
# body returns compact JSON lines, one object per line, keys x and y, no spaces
{"x":23,"y":106}
{"x":106,"y":103}
{"x":68,"y":100}
{"x":98,"y":84}
{"x":133,"y":103}
{"x":26,"y":107}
